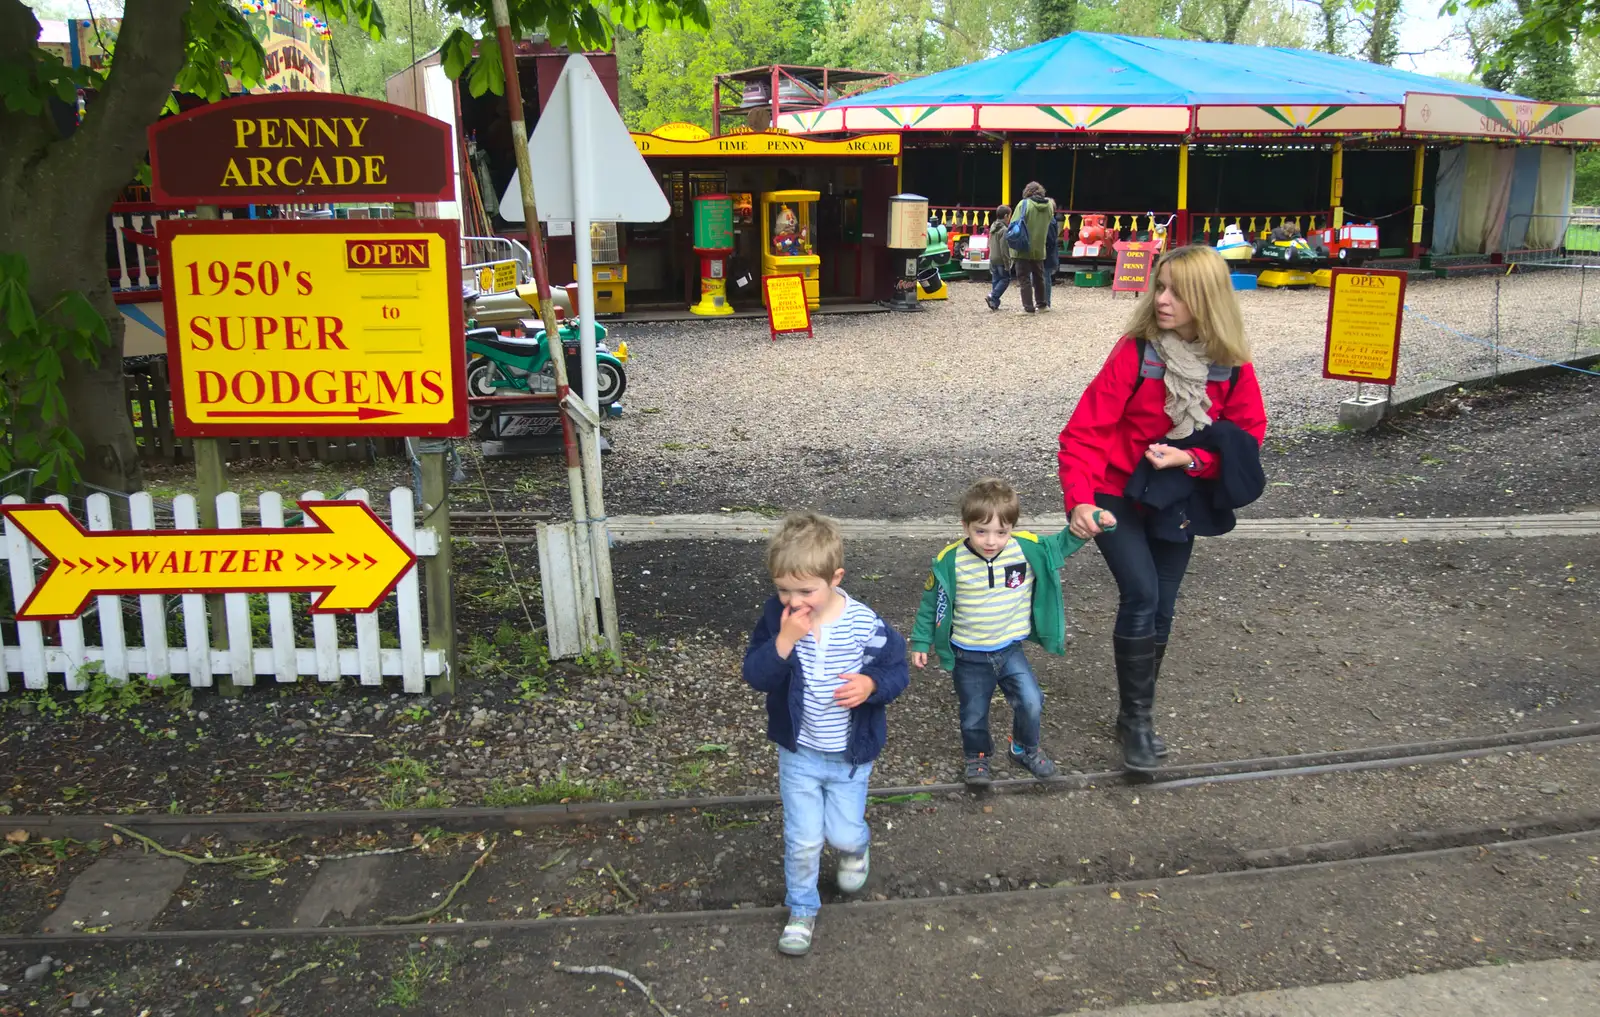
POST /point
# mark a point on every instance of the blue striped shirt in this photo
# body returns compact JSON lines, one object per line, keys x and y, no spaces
{"x":835,"y":649}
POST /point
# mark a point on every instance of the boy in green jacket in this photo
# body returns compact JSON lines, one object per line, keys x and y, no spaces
{"x":985,"y":597}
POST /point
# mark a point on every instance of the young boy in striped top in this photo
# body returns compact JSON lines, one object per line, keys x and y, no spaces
{"x":828,"y":665}
{"x":985,"y":596}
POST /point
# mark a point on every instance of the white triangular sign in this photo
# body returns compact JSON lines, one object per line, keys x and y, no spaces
{"x":621,"y":187}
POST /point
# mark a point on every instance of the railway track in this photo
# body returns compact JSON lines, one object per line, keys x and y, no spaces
{"x":625,"y":862}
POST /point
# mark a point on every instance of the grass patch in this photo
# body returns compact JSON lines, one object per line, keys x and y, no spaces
{"x":558,"y":789}
{"x":406,"y":786}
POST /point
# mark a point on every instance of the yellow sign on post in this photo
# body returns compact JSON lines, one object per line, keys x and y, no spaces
{"x":787,"y":310}
{"x":314,"y":328}
{"x":499,"y":277}
{"x":1365,"y":310}
{"x":351,"y":557}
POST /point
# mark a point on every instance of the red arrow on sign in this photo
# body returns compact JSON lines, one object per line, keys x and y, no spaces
{"x":363,"y":413}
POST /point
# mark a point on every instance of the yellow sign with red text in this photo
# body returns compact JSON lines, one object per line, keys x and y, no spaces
{"x":1366,"y":308}
{"x":351,"y":557}
{"x":314,"y":328}
{"x":786,"y":304}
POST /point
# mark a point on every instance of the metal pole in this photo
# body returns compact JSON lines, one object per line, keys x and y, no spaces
{"x":541,"y":280}
{"x":433,"y":456}
{"x":599,"y":536}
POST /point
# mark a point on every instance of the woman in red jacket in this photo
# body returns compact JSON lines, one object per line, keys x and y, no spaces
{"x":1183,"y":364}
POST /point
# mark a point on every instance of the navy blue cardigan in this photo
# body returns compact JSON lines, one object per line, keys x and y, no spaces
{"x":783,"y":680}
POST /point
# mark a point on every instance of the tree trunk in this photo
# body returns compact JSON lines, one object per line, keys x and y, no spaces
{"x":55,"y":194}
{"x":1330,"y":10}
{"x":1383,"y":43}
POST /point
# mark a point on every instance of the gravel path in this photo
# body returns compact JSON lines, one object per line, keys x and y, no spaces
{"x":884,"y":415}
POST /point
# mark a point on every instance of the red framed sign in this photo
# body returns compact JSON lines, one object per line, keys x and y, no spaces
{"x":300,"y":147}
{"x":787,"y":311}
{"x":1134,"y":261}
{"x":1366,"y":311}
{"x":314,"y":328}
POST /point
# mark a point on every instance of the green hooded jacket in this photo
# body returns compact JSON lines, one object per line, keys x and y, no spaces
{"x":1038,"y":212}
{"x":1045,"y":556}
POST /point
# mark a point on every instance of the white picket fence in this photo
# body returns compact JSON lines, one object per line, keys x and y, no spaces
{"x":36,"y":658}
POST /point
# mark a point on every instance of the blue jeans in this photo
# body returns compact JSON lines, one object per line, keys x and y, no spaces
{"x":822,"y":801}
{"x":1050,"y":266}
{"x":976,"y":674}
{"x":999,"y":280}
{"x":1148,"y":571}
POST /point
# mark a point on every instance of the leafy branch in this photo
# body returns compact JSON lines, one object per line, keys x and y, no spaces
{"x":34,"y":347}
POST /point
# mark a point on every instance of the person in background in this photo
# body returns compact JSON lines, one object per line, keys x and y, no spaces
{"x":999,"y":257}
{"x":1037,"y":211}
{"x":1176,"y":402}
{"x":1052,"y":258}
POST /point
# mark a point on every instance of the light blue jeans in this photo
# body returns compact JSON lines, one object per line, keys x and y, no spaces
{"x":822,"y":801}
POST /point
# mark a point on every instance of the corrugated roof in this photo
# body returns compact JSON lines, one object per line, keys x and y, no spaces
{"x":1123,"y":70}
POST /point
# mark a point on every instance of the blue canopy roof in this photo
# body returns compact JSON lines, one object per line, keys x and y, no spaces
{"x":1125,"y":70}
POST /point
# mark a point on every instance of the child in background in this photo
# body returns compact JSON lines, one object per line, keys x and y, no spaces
{"x":999,"y":257}
{"x":828,"y":665}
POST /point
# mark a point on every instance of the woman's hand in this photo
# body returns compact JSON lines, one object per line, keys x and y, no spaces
{"x":1088,"y":521}
{"x":1167,"y":457}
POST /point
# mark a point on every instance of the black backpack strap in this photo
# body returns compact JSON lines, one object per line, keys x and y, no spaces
{"x":1139,"y":347}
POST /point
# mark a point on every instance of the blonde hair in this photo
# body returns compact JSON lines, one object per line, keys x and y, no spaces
{"x":807,"y":544}
{"x":1200,"y":280}
{"x":990,"y":498}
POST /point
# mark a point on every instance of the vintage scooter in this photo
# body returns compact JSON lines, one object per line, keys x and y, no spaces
{"x":506,"y":361}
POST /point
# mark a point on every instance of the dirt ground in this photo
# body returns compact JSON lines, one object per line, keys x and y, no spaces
{"x":1278,"y":648}
{"x":1029,"y":952}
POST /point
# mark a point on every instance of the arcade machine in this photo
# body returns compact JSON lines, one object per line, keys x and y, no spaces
{"x":786,"y":223}
{"x":713,"y":242}
{"x":908,"y":239}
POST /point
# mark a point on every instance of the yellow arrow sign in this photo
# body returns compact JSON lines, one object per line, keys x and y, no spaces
{"x":351,"y":557}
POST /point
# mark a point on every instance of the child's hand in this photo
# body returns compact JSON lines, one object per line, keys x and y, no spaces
{"x":854,"y":691}
{"x":919,"y":658}
{"x":793,"y":628}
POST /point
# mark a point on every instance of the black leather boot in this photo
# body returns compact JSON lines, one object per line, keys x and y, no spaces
{"x":1136,"y":688}
{"x":1155,"y":739}
{"x":1161,"y":653}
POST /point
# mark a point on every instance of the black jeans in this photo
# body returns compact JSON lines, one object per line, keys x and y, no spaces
{"x":1030,"y":280}
{"x":1148,"y":571}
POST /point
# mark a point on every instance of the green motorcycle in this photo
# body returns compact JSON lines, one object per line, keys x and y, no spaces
{"x":514,"y":364}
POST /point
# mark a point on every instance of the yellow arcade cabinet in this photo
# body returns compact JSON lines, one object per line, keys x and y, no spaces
{"x":787,"y":219}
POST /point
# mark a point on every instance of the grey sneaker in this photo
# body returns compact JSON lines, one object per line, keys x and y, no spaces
{"x":853,"y":871}
{"x":978,"y":771}
{"x":1034,"y":761}
{"x":796,"y":938}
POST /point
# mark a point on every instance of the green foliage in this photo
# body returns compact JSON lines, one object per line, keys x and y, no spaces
{"x":362,"y":65}
{"x":669,"y":71}
{"x":1586,"y":186}
{"x":550,"y":792}
{"x":575,"y":24}
{"x":35,"y":346}
{"x":24,"y":88}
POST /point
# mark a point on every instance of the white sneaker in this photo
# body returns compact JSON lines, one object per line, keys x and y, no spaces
{"x":796,"y":938}
{"x":853,"y":871}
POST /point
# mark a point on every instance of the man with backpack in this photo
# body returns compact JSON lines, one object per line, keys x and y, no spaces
{"x":1028,"y":238}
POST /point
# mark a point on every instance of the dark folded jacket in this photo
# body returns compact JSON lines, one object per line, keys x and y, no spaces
{"x":1179,"y":506}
